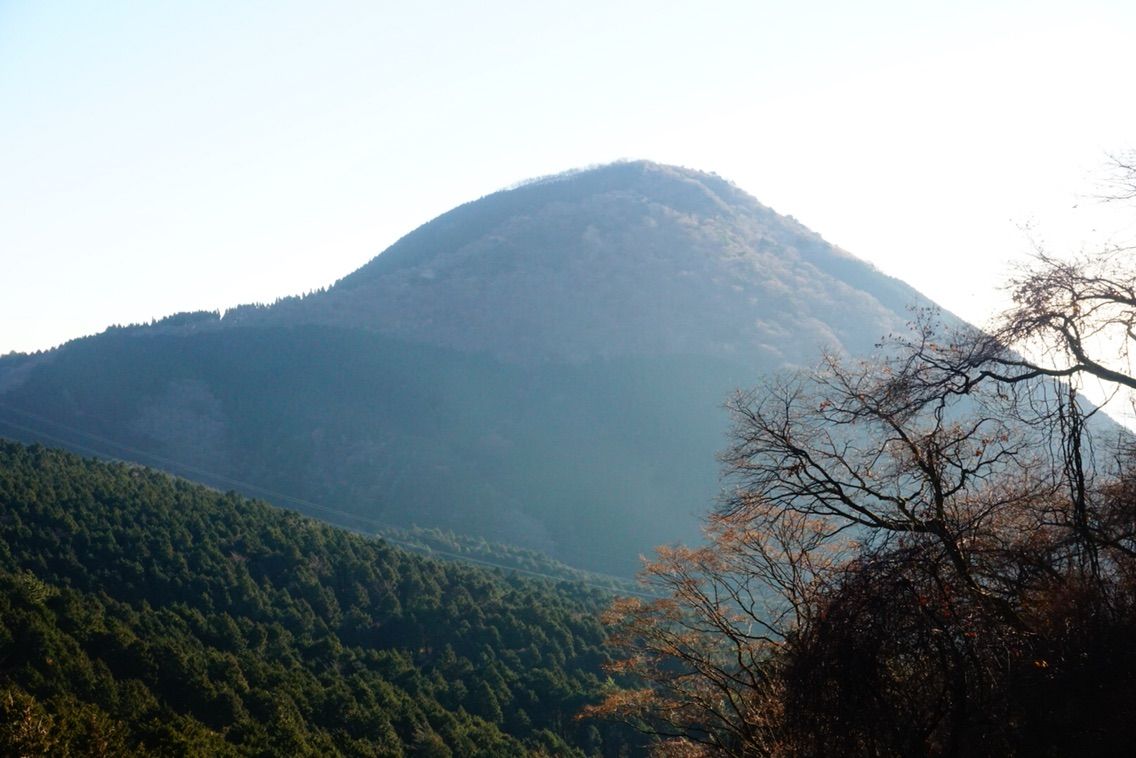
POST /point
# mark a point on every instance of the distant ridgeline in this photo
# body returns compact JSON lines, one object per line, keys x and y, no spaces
{"x":542,"y":367}
{"x":142,"y":614}
{"x":447,"y":545}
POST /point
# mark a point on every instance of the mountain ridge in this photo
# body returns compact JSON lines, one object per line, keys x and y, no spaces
{"x":524,"y":240}
{"x":543,"y":366}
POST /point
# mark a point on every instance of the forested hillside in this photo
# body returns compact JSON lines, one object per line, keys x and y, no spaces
{"x":542,"y":367}
{"x":592,"y":464}
{"x":143,"y":614}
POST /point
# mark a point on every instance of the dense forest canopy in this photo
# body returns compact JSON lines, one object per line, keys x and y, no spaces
{"x":143,"y":614}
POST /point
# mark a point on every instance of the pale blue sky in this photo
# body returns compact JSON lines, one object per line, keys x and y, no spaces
{"x":159,"y":157}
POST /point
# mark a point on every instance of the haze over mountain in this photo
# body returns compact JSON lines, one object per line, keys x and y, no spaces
{"x":543,"y":366}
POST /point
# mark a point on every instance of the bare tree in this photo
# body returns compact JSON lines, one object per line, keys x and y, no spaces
{"x":707,"y":652}
{"x":913,"y":547}
{"x":1122,"y":181}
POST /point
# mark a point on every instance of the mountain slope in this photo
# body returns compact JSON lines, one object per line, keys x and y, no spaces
{"x":543,"y":366}
{"x":140,"y":614}
{"x":628,"y":259}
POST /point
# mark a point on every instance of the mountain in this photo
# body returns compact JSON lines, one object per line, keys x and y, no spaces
{"x":544,"y":366}
{"x":632,"y":259}
{"x":143,"y":615}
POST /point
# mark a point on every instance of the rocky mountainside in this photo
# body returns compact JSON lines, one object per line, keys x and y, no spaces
{"x":543,"y":366}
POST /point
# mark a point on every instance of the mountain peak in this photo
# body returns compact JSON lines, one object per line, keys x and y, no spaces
{"x":658,"y":181}
{"x":629,"y":258}
{"x":681,"y":189}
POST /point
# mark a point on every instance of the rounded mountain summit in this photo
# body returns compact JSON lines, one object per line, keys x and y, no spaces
{"x":626,"y":259}
{"x":544,"y":367}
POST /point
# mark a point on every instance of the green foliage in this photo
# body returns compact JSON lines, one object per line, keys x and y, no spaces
{"x":447,"y":544}
{"x":142,"y":614}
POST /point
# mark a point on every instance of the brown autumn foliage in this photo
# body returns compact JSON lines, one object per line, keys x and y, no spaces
{"x":932,"y":553}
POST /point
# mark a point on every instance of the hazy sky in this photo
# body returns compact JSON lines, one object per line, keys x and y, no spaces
{"x":160,"y":157}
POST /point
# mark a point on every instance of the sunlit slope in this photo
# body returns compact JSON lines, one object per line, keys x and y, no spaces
{"x":628,"y":259}
{"x":147,"y":615}
{"x":544,"y":366}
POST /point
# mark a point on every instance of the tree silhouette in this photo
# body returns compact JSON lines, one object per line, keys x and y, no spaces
{"x":930,"y":552}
